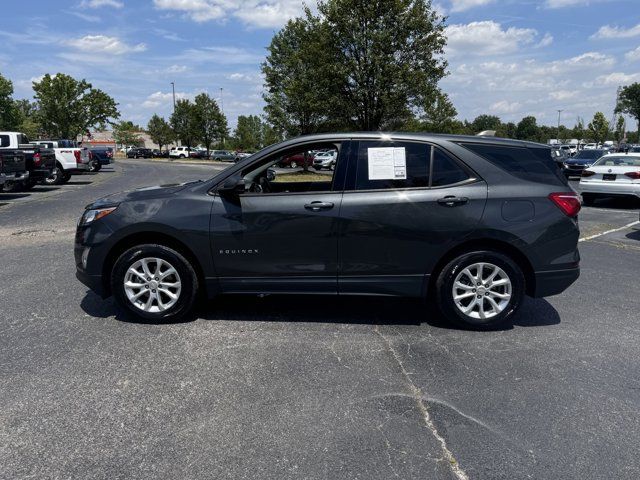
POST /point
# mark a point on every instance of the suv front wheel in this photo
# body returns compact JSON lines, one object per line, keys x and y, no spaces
{"x":480,"y":289}
{"x":154,"y":282}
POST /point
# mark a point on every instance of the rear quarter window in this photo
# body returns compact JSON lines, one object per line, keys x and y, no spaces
{"x":533,"y":164}
{"x":4,"y":141}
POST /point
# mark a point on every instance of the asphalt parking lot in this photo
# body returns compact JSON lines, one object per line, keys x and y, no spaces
{"x":309,"y":387}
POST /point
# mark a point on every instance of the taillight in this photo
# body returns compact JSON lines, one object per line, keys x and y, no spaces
{"x":78,"y":156}
{"x":109,"y":153}
{"x":37,"y":159}
{"x":588,"y":173}
{"x":90,"y":155}
{"x":633,"y":175}
{"x":568,"y":202}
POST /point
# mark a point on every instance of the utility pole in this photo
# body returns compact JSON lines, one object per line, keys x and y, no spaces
{"x":558,"y":135}
{"x":173,"y":90}
{"x":222,"y":111}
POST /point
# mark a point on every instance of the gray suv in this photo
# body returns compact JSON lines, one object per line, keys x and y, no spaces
{"x":471,"y":223}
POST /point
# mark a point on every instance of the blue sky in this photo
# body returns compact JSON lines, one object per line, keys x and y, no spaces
{"x":509,"y":58}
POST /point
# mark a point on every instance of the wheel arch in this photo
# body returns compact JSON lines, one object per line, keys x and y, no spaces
{"x":498,"y":246}
{"x":150,"y":238}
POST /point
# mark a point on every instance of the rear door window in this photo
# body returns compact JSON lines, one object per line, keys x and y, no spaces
{"x":4,"y":141}
{"x":528,"y":163}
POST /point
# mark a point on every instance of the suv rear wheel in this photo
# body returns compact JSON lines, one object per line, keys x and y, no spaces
{"x":481,"y":289}
{"x":155,"y":283}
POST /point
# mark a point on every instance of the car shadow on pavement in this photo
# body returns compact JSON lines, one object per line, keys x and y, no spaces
{"x":80,"y":182}
{"x":617,"y":203}
{"x":324,"y":309}
{"x":12,"y":196}
{"x":635,"y":235}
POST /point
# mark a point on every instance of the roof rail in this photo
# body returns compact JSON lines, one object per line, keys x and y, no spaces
{"x":486,"y":133}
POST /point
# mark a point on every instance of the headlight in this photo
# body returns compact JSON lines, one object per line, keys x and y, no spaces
{"x":90,"y":216}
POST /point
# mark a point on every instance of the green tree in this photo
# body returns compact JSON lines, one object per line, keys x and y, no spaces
{"x":528,"y":129}
{"x":440,"y":114}
{"x":210,"y":121}
{"x":629,"y":102}
{"x":598,"y":128}
{"x":485,"y":122}
{"x":507,"y":130}
{"x":69,"y":107}
{"x":248,"y":133}
{"x":364,"y":64}
{"x":270,"y":135}
{"x":28,"y":118}
{"x":184,"y":122}
{"x":160,"y":131}
{"x":126,"y":133}
{"x":578,"y":129}
{"x":621,"y":127}
{"x":8,"y":112}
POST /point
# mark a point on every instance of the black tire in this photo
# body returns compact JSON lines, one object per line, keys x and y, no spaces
{"x":188,"y":279}
{"x":28,"y":185}
{"x":318,"y":168}
{"x":56,"y":177}
{"x":12,"y":187}
{"x":182,"y":156}
{"x":588,"y":199}
{"x":446,"y":278}
{"x":66,"y":177}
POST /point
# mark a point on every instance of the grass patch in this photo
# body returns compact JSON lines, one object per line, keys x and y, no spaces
{"x":302,"y":176}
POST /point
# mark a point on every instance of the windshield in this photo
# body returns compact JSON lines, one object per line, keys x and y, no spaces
{"x":590,"y":154}
{"x":618,"y":161}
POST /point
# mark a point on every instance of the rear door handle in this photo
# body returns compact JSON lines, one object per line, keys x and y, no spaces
{"x":451,"y":201}
{"x":317,"y":206}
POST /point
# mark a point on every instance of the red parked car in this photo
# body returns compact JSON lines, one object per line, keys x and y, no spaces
{"x":297,"y":160}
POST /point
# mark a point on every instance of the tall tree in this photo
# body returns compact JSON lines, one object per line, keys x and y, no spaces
{"x":364,"y":64}
{"x":160,"y":131}
{"x":28,"y":118}
{"x":211,"y":122}
{"x":126,"y":133}
{"x":629,"y":102}
{"x":621,"y":127}
{"x":69,"y":107}
{"x":8,"y":112}
{"x":485,"y":122}
{"x":528,"y":129}
{"x":184,"y":122}
{"x":248,"y":133}
{"x":439,"y":114}
{"x":578,"y":129}
{"x":598,"y":128}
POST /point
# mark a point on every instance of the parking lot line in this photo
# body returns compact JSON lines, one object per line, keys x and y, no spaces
{"x":591,"y":237}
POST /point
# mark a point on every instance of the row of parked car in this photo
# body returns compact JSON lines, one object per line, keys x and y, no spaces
{"x":25,"y":163}
{"x":187,"y":152}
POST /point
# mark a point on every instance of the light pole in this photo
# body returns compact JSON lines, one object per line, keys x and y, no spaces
{"x":173,"y":90}
{"x":222,"y":111}
{"x":558,"y":135}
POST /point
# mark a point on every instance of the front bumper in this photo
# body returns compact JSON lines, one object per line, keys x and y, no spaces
{"x":94,"y":282}
{"x":554,"y":282}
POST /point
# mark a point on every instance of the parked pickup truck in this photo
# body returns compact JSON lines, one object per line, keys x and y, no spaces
{"x":40,"y":161}
{"x":70,"y":160}
{"x":12,"y":167}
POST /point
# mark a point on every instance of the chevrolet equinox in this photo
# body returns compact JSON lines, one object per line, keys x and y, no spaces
{"x":471,"y":223}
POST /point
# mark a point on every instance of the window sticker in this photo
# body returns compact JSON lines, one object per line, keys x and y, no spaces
{"x":387,"y":163}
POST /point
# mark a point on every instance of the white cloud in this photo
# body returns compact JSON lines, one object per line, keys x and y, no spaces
{"x":546,"y":41}
{"x":101,"y":3}
{"x":257,"y":13}
{"x":566,"y":3}
{"x":158,"y":99}
{"x":563,"y":94}
{"x":504,"y":106}
{"x":617,"y":78}
{"x":633,"y":55}
{"x":104,"y":44}
{"x":608,"y":31}
{"x":177,"y":69}
{"x":462,"y":5}
{"x":486,"y":38}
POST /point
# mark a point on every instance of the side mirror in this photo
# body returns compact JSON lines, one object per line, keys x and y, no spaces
{"x":271,"y":174}
{"x":232,"y":186}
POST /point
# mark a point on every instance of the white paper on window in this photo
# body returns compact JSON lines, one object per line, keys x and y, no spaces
{"x":387,"y":163}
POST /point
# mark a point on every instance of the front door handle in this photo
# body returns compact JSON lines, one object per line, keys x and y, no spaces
{"x":451,"y":201}
{"x":317,"y":206}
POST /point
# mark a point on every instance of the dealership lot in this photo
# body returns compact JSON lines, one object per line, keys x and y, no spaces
{"x":308,"y":387}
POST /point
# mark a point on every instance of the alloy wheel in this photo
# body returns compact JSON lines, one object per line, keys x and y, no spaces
{"x":152,"y":285}
{"x":482,"y":290}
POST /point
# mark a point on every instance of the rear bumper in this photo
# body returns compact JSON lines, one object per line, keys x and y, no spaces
{"x":15,"y":177}
{"x":554,"y":282}
{"x":610,"y":188}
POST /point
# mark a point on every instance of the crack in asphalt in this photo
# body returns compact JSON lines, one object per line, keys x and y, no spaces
{"x":418,"y":397}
